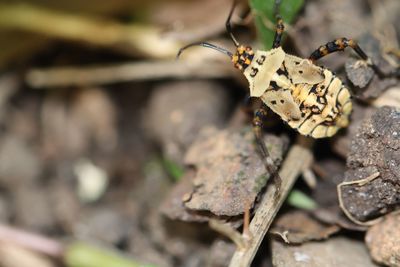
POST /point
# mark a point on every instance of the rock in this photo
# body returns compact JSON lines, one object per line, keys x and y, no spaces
{"x":5,"y":208}
{"x":105,"y":224}
{"x":375,"y":150}
{"x":19,"y":164}
{"x":71,"y":128}
{"x":221,"y":253}
{"x":383,"y":240}
{"x":368,"y":84}
{"x":177,"y":111}
{"x":33,"y":208}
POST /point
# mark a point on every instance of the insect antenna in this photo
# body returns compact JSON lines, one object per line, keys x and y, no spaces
{"x":205,"y":44}
{"x":228,"y":24}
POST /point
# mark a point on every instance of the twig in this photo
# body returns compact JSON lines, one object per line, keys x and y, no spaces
{"x":297,"y":158}
{"x":73,"y":253}
{"x":31,"y":241}
{"x":74,"y":76}
{"x":131,"y":38}
{"x":12,"y":255}
{"x":227,"y":230}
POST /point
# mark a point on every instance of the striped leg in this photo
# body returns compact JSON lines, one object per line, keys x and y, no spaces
{"x":278,"y":33}
{"x":339,"y":45}
{"x":279,"y":25}
{"x":258,"y":119}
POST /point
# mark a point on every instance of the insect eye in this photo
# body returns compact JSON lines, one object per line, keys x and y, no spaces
{"x":253,"y":72}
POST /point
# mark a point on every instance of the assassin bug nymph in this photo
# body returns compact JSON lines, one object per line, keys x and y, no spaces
{"x":310,"y":98}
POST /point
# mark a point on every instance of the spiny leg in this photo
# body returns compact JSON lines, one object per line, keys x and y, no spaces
{"x":259,"y":116}
{"x":339,"y":45}
{"x":258,"y":119}
{"x":279,"y":26}
{"x":278,"y":33}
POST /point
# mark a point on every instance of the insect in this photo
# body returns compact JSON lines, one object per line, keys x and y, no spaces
{"x":308,"y":97}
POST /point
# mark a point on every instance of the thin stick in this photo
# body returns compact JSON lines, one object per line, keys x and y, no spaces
{"x":226,"y":230}
{"x":95,"y":75}
{"x":130,"y":38}
{"x":297,"y":158}
{"x":246,"y":222}
{"x":31,"y":241}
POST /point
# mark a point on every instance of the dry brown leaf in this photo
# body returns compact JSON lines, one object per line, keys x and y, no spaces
{"x":334,"y":252}
{"x":229,"y":170}
{"x":173,"y":205}
{"x":298,"y":227}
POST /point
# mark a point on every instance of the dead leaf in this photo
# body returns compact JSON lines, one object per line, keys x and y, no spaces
{"x":298,"y":227}
{"x":173,"y":205}
{"x":334,"y":252}
{"x":229,"y":171}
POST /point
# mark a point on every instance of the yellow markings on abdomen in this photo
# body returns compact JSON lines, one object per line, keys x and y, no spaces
{"x":325,"y":107}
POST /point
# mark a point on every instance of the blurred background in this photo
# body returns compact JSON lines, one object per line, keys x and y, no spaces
{"x":96,"y":116}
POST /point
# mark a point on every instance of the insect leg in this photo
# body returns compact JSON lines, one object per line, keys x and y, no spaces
{"x":258,"y":119}
{"x":278,"y":32}
{"x":228,"y":24}
{"x":279,"y":25}
{"x":339,"y":45}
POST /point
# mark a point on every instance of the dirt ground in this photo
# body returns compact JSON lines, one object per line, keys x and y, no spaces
{"x":114,"y":153}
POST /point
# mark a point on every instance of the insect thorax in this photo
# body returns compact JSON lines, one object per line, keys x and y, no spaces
{"x":262,"y":69}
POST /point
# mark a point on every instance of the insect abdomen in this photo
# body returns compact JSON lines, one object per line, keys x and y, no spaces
{"x":325,"y":107}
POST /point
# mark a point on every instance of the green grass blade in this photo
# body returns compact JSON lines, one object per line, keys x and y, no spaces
{"x":85,"y":255}
{"x":300,"y":200}
{"x":173,"y":169}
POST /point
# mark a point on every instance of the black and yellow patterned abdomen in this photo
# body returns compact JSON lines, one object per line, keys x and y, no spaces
{"x":325,"y":107}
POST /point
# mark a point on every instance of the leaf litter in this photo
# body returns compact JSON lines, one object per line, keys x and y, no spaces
{"x":228,"y":171}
